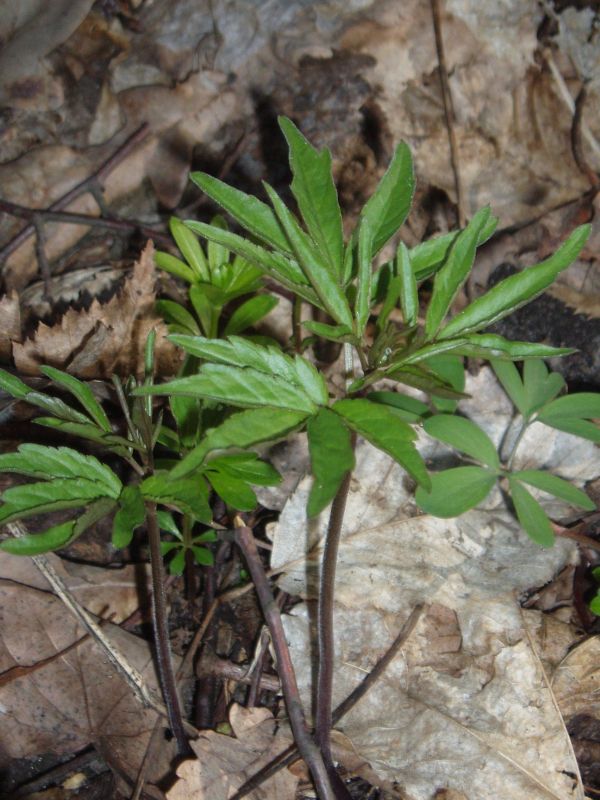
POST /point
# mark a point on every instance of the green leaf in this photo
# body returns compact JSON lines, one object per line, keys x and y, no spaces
{"x":388,"y":207}
{"x":540,"y":386}
{"x":252,"y":214}
{"x":574,"y":426}
{"x":247,"y":467}
{"x":280,"y":267}
{"x":555,"y":486}
{"x":595,"y":605}
{"x":455,"y":491}
{"x":410,"y":409}
{"x":56,"y":407}
{"x":39,"y":461}
{"x":249,"y":313}
{"x":244,"y":429}
{"x":409,"y":298}
{"x":175,"y":314}
{"x":130,"y":515}
{"x":174,"y":266}
{"x":465,"y":436}
{"x":490,"y":345}
{"x":186,"y":411}
{"x":82,"y":392}
{"x":516,"y":290}
{"x":582,"y":405}
{"x":12,"y":385}
{"x":188,"y":495}
{"x":331,"y":456}
{"x":428,"y":257}
{"x":450,"y":368}
{"x":24,"y":501}
{"x":313,"y":264}
{"x":34,"y":544}
{"x":217,"y":254}
{"x":203,"y":556}
{"x":364,"y":276}
{"x":333,"y":333}
{"x":509,"y":377}
{"x":246,"y":388}
{"x":190,"y":248}
{"x":531,"y":515}
{"x":426,"y":380}
{"x":233,"y":491}
{"x":316,"y":195}
{"x":454,"y":273}
{"x":390,"y":300}
{"x":167,"y":523}
{"x":177,"y":563}
{"x":117,"y":444}
{"x":384,"y":427}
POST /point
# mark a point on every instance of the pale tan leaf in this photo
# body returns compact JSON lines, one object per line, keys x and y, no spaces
{"x":224,"y":763}
{"x":10,"y":324}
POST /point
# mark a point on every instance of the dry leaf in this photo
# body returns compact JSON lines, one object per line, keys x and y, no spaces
{"x":107,"y":338}
{"x":75,"y":699}
{"x":10,"y":324}
{"x":224,"y":763}
{"x":465,"y":705}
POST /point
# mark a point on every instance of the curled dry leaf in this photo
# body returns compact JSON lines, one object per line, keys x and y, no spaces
{"x":106,"y":338}
{"x":224,"y":763}
{"x":59,"y":702}
{"x":465,"y":705}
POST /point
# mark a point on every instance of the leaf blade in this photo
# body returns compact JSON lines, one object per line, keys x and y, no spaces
{"x":455,"y":491}
{"x":531,"y":515}
{"x":465,"y":436}
{"x":331,"y":455}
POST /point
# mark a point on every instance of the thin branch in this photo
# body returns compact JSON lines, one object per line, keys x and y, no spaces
{"x":96,"y":179}
{"x":161,"y":634}
{"x":290,"y":754}
{"x":306,"y":745}
{"x":448,"y":111}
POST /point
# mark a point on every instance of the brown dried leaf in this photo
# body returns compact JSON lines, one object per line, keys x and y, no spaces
{"x":75,"y":699}
{"x":107,"y":338}
{"x":225,"y":763}
{"x":10,"y":324}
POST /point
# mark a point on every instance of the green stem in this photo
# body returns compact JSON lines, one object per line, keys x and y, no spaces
{"x":160,"y":623}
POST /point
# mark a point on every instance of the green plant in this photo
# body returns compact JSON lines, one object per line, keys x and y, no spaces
{"x":236,"y":393}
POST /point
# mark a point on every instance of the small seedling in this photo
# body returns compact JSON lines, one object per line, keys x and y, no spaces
{"x":236,"y":392}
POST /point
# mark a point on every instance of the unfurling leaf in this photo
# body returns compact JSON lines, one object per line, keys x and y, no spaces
{"x":455,"y":491}
{"x":331,"y":456}
{"x":409,"y":299}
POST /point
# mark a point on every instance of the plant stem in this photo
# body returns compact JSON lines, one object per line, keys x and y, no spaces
{"x":325,"y":639}
{"x":161,"y":634}
{"x":306,"y":745}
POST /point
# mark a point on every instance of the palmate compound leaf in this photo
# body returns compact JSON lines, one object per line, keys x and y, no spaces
{"x":456,"y":490}
{"x":240,"y":430}
{"x":530,"y":514}
{"x":516,"y":290}
{"x":388,"y":207}
{"x":453,"y":274}
{"x":555,"y":486}
{"x":384,"y":427}
{"x":331,"y":456}
{"x":325,"y":283}
{"x":39,"y":461}
{"x":465,"y":436}
{"x":316,"y":195}
{"x":130,"y":514}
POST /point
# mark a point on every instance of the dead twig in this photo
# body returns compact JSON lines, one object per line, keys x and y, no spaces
{"x":577,"y":141}
{"x":448,"y":111}
{"x":290,"y":755}
{"x":89,"y":184}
